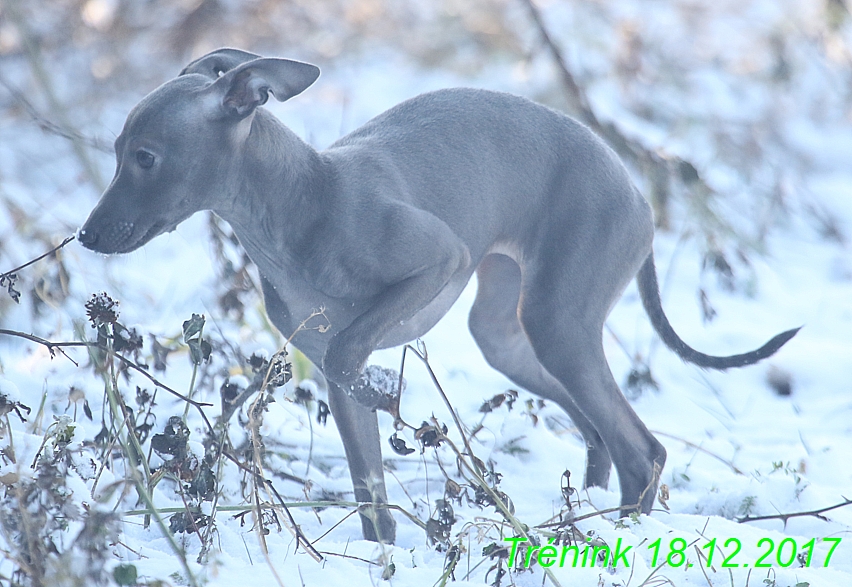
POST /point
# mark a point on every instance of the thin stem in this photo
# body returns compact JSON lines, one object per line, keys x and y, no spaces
{"x":11,"y":440}
{"x":54,"y":346}
{"x":423,"y":357}
{"x":474,"y":468}
{"x":311,"y":443}
{"x":194,"y":375}
{"x":141,"y":488}
{"x":785,"y":517}
{"x":215,"y":506}
{"x":33,"y":55}
{"x":39,"y":258}
{"x":265,"y":506}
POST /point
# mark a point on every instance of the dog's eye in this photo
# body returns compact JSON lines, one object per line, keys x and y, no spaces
{"x":144,"y":159}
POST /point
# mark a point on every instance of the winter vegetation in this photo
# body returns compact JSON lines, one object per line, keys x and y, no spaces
{"x":155,"y":429}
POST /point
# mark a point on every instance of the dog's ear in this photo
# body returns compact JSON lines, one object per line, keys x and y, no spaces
{"x":218,"y":62}
{"x":247,"y":86}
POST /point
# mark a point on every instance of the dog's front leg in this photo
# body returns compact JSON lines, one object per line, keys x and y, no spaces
{"x":422,"y":254}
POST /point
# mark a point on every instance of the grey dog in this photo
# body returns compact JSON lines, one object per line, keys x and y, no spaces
{"x":386,"y":227}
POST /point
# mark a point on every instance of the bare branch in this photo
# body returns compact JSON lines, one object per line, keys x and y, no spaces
{"x":32,"y":52}
{"x":785,"y":517}
{"x":701,"y":449}
{"x":301,"y":539}
{"x":39,"y":258}
{"x":261,"y":383}
{"x":656,"y":168}
{"x":59,"y":346}
{"x":51,"y":127}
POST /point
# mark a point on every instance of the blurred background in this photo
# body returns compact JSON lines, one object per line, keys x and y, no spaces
{"x":733,"y":116}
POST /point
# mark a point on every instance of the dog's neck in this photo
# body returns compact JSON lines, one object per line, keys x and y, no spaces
{"x":277,"y":192}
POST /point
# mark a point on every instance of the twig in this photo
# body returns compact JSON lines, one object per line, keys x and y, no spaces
{"x":194,"y":372}
{"x":49,"y":126}
{"x":576,"y":95}
{"x":336,"y":524}
{"x":654,"y":572}
{"x":215,"y":505}
{"x":785,"y":517}
{"x":496,"y":499}
{"x":425,"y":360}
{"x":33,"y":54}
{"x":585,"y":517}
{"x":301,"y":539}
{"x":103,"y":465}
{"x":349,"y":556}
{"x":655,"y":166}
{"x":58,"y":346}
{"x":472,"y":466}
{"x":257,"y":470}
{"x":190,"y":510}
{"x":119,"y":414}
{"x":700,"y":449}
{"x":289,"y":504}
{"x":392,"y":506}
{"x":229,"y":408}
{"x":261,"y":535}
{"x":52,"y":347}
{"x":39,"y":258}
{"x":701,"y":556}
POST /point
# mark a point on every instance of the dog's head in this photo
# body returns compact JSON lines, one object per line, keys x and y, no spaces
{"x":179,"y":144}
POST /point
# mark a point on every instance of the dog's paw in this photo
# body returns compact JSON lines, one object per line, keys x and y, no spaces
{"x":377,"y":388}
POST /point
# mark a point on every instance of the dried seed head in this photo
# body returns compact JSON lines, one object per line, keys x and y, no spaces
{"x":102,"y":309}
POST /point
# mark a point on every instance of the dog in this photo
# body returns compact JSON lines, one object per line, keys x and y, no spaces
{"x":386,"y":227}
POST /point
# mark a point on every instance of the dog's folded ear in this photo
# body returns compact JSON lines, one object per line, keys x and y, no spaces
{"x":242,"y":89}
{"x":218,"y":62}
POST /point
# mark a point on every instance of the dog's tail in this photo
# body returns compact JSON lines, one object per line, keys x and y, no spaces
{"x":649,"y":291}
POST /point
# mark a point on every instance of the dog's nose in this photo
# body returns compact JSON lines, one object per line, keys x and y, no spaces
{"x":87,"y":238}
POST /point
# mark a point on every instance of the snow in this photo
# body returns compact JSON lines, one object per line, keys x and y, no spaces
{"x":735,"y":447}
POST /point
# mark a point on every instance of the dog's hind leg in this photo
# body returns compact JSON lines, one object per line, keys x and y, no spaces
{"x":494,"y":323}
{"x":565,"y":299}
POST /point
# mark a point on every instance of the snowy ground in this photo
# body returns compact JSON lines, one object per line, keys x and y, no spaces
{"x":735,"y":446}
